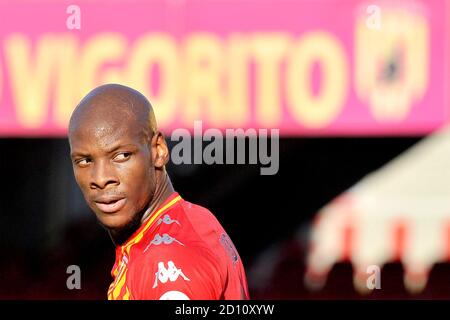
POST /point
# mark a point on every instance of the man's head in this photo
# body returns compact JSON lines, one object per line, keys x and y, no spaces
{"x":118,"y":155}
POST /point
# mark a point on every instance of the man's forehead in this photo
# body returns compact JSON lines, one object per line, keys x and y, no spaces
{"x":103,"y":132}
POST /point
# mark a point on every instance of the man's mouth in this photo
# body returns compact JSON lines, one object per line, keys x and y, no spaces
{"x":110,"y":205}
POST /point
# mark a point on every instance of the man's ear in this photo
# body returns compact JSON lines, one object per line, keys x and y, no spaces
{"x":160,"y":151}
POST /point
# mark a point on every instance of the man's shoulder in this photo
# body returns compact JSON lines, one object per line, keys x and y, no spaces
{"x":193,"y":208}
{"x":198,"y":216}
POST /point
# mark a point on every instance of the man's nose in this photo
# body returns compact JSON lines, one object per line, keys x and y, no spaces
{"x":103,"y":174}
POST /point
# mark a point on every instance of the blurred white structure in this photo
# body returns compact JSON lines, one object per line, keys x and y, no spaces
{"x":400,"y":212}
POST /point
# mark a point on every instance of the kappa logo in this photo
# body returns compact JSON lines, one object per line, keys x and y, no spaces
{"x":165,"y":238}
{"x":170,"y":274}
{"x":167,"y":220}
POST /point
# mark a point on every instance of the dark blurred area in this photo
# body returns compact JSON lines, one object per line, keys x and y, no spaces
{"x":47,"y":226}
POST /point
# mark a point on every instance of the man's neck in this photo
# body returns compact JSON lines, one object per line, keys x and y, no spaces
{"x":163,"y":190}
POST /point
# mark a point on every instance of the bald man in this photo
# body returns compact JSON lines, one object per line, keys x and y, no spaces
{"x":166,"y":247}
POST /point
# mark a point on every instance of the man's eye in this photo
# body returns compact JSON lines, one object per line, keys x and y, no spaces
{"x":83,"y":162}
{"x":122,"y":156}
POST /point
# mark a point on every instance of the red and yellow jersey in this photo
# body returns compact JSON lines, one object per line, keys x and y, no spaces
{"x":180,"y":252}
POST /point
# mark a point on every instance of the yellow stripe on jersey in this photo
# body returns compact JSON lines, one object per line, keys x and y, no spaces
{"x":118,"y":288}
{"x":126,"y":296}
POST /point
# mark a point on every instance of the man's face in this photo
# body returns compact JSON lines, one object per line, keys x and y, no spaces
{"x":113,"y":167}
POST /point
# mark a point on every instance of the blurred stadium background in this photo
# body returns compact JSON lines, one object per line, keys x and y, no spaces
{"x":358,"y":89}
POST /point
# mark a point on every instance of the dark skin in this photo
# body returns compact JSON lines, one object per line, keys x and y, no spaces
{"x":119,"y":158}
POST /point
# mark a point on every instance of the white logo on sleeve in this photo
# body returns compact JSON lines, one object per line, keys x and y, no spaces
{"x":171,"y":273}
{"x":174,"y":295}
{"x":168,"y":220}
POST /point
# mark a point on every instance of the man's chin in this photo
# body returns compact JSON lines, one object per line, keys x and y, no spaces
{"x":112,"y":221}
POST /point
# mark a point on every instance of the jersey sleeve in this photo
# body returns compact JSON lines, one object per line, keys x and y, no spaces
{"x":176,"y":273}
